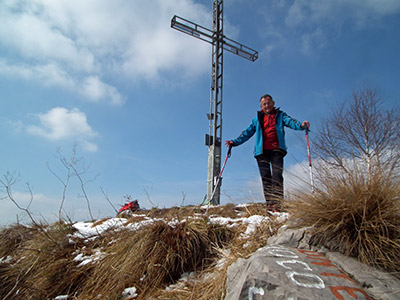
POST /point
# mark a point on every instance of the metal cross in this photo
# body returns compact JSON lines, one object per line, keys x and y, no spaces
{"x":219,"y":43}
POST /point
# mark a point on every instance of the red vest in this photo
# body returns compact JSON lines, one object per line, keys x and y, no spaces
{"x":270,"y":138}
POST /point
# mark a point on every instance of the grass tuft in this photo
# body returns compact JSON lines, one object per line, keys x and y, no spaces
{"x":40,"y":265}
{"x":355,"y":215}
{"x":156,"y":256}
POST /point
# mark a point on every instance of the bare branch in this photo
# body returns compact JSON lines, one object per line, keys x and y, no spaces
{"x":65,"y":183}
{"x":108,"y":200}
{"x":31,"y":194}
{"x":183,"y":198}
{"x":7,"y":183}
{"x":362,"y":131}
{"x":148,"y":198}
{"x":82,"y":183}
{"x":74,"y":168}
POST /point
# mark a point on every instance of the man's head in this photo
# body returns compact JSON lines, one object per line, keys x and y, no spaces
{"x":267,"y":103}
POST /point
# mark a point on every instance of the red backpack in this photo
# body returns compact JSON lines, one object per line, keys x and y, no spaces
{"x":130,"y":207}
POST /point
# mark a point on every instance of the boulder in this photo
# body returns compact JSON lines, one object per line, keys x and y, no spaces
{"x":380,"y":285}
{"x":288,"y":269}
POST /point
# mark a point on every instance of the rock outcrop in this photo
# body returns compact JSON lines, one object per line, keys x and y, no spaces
{"x":288,"y":269}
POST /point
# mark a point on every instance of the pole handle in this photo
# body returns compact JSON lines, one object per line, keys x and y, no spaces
{"x":229,"y":150}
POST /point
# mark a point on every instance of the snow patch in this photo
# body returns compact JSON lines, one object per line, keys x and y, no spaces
{"x":89,"y":258}
{"x":5,"y":260}
{"x":129,"y":293}
{"x":87,"y":229}
{"x":252,"y":222}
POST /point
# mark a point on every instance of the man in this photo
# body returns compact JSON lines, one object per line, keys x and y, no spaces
{"x":270,"y":147}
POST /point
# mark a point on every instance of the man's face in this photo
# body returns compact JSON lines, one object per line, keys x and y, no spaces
{"x":267,"y":105}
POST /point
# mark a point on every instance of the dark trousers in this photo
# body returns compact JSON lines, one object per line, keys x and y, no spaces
{"x":270,"y":164}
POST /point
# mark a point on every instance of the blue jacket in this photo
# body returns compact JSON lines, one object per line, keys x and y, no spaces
{"x":256,"y":126}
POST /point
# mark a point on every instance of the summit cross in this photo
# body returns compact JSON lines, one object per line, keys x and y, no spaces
{"x":219,"y":43}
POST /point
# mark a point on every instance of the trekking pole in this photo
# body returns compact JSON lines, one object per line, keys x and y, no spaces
{"x":309,"y":160}
{"x":219,"y":178}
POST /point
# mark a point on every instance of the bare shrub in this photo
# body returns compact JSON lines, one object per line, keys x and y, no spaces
{"x":363,"y":132}
{"x":355,"y":208}
{"x":74,"y":167}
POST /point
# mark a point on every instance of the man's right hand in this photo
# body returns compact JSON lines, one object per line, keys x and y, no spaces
{"x":228,"y":143}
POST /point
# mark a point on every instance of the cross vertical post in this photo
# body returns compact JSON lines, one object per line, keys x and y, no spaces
{"x":219,"y":43}
{"x":215,"y":117}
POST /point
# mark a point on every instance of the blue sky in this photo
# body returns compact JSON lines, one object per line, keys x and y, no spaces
{"x":113,"y":78}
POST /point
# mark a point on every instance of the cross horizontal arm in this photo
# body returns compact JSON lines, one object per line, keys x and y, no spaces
{"x":209,"y":36}
{"x":192,"y":29}
{"x":239,"y":49}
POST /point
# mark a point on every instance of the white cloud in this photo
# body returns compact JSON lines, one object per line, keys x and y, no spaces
{"x":375,"y":7}
{"x":310,"y":12}
{"x":15,"y":127}
{"x":52,"y":74}
{"x":62,"y":124}
{"x":90,"y":147}
{"x":312,"y":39}
{"x":32,"y":34}
{"x":297,"y":177}
{"x":95,"y":89}
{"x":64,"y":41}
{"x":154,"y":47}
{"x":310,"y":24}
{"x":44,"y":207}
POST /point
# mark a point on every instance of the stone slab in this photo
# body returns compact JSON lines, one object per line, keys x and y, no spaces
{"x":287,"y":273}
{"x":380,"y":285}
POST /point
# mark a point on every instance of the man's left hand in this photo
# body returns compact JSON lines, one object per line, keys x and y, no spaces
{"x":305,"y":125}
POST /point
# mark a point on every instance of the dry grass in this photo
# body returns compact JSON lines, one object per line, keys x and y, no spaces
{"x":155,"y":256}
{"x":41,"y":266}
{"x":11,"y":237}
{"x":210,"y":284}
{"x":206,"y":285}
{"x":356,"y":216}
{"x":352,"y":215}
{"x":150,"y":258}
{"x":227,"y":211}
